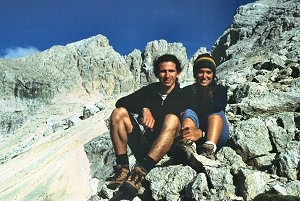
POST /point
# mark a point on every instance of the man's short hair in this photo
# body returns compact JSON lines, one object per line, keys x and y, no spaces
{"x":166,"y":58}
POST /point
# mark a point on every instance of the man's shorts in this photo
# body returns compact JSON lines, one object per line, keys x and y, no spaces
{"x":141,"y":139}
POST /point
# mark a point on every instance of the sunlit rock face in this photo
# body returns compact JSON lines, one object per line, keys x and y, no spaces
{"x":56,"y":104}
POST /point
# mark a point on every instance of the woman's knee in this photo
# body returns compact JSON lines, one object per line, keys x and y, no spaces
{"x":190,"y":114}
{"x":221,"y":114}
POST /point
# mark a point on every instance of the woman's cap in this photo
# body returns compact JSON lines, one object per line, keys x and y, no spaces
{"x":204,"y":61}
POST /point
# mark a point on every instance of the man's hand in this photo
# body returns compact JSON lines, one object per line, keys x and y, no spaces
{"x":147,"y":119}
{"x":190,"y":133}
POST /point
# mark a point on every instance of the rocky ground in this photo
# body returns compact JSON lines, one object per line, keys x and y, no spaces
{"x":55,"y":106}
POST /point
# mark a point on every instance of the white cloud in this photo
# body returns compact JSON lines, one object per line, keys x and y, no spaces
{"x":17,"y":52}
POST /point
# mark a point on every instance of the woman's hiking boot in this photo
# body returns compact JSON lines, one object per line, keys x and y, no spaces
{"x":207,"y":150}
{"x":181,"y":152}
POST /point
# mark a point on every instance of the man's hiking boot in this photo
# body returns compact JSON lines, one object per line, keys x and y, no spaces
{"x":120,"y":175}
{"x":207,"y":150}
{"x":134,"y":182}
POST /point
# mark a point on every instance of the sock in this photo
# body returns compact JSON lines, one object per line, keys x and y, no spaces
{"x":210,"y":142}
{"x":147,"y":163}
{"x":122,"y":160}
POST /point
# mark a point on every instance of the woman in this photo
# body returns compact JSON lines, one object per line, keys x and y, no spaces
{"x":204,"y":120}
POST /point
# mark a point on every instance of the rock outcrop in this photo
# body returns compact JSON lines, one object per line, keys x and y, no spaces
{"x":55,"y":106}
{"x":258,"y":59}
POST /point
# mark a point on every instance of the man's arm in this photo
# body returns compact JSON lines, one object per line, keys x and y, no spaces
{"x":137,"y":103}
{"x":147,"y":119}
{"x":134,"y":102}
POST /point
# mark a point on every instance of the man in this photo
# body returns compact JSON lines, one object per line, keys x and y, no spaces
{"x":148,"y":122}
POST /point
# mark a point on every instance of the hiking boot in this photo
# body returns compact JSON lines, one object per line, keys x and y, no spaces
{"x":120,"y":175}
{"x":134,"y":182}
{"x":181,"y":152}
{"x":207,"y":150}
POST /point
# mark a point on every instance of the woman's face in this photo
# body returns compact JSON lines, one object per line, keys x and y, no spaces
{"x":204,"y":76}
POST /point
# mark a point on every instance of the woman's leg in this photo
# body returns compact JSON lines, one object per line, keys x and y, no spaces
{"x":218,"y":130}
{"x":224,"y":135}
{"x":190,"y":126}
{"x":214,"y":127}
{"x":189,"y":117}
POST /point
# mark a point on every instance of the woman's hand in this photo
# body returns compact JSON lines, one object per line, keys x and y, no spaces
{"x":190,"y":133}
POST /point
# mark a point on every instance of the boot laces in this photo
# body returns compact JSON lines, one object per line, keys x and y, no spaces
{"x":117,"y":172}
{"x":137,"y":177}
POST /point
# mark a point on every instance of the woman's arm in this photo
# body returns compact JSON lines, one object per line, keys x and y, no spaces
{"x":189,"y":130}
{"x":190,"y":126}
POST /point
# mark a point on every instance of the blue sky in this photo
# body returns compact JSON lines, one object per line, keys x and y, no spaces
{"x":28,"y":26}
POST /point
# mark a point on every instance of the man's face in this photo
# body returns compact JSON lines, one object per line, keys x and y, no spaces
{"x":168,"y":74}
{"x":204,"y":76}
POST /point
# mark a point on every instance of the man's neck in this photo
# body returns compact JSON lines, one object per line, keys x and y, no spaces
{"x":166,"y":90}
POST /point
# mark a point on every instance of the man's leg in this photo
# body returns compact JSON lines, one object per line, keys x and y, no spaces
{"x":120,"y":126}
{"x":170,"y":129}
{"x":162,"y":144}
{"x":181,"y":151}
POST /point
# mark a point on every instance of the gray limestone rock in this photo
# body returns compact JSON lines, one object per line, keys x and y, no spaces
{"x":100,"y":153}
{"x":289,"y":161}
{"x":251,"y":138}
{"x":221,"y":180}
{"x":251,"y":183}
{"x":227,"y":156}
{"x":282,"y":129}
{"x":197,"y":190}
{"x":264,"y":162}
{"x":271,"y":103}
{"x":89,"y":110}
{"x":74,"y":119}
{"x":101,"y":105}
{"x":134,"y":61}
{"x":292,"y":188}
{"x":85,"y":68}
{"x":167,"y":182}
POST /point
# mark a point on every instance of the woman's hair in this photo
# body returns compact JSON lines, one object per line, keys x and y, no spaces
{"x":166,"y":58}
{"x":212,"y":87}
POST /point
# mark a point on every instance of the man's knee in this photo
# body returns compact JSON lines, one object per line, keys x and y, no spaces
{"x":172,"y":121}
{"x":119,"y":114}
{"x":120,"y":117}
